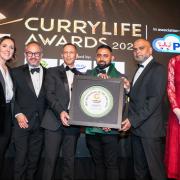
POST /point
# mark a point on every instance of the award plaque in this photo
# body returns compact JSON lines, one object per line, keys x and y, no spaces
{"x":96,"y":102}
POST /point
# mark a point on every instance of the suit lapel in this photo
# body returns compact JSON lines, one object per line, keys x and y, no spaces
{"x":2,"y":81}
{"x":42,"y":85}
{"x":112,"y":71}
{"x":145,"y":71}
{"x":63,"y":77}
{"x":28,"y":78}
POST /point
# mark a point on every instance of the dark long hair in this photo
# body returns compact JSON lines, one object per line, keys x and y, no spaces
{"x":8,"y":37}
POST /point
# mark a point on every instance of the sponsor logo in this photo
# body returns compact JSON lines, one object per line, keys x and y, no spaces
{"x":170,"y":43}
{"x":80,"y":66}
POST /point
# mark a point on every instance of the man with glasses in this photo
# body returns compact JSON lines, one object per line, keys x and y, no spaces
{"x":103,"y":142}
{"x":29,"y":109}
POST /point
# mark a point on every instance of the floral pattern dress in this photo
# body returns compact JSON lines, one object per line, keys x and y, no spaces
{"x":172,"y":151}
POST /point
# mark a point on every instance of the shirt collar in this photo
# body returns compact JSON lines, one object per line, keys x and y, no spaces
{"x":31,"y":67}
{"x":148,"y":60}
{"x":67,"y":65}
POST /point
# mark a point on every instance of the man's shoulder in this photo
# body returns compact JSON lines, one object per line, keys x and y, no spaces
{"x":158,"y":65}
{"x":90,"y":71}
{"x":19,"y":69}
{"x":115,"y":71}
{"x":55,"y":69}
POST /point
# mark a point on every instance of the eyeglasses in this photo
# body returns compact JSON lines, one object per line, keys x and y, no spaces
{"x":102,"y":55}
{"x":30,"y":54}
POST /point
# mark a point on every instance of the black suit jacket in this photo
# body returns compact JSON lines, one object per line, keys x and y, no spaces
{"x":2,"y":103}
{"x":146,"y":100}
{"x":57,"y":94}
{"x":26,"y":101}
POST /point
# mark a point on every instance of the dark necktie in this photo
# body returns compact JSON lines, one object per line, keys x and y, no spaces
{"x":35,"y":70}
{"x":74,"y":70}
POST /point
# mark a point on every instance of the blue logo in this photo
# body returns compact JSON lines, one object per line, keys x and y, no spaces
{"x":80,"y":66}
{"x":170,"y":43}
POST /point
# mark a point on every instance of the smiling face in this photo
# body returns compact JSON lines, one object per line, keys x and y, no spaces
{"x":69,"y":55}
{"x":103,"y":57}
{"x":142,"y":50}
{"x":7,"y":48}
{"x":33,"y":54}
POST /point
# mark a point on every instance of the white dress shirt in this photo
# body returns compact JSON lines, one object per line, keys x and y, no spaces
{"x":8,"y":85}
{"x":70,"y":77}
{"x":140,"y":69}
{"x":36,"y":79}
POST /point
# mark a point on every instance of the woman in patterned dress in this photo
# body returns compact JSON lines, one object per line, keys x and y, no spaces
{"x":172,"y":153}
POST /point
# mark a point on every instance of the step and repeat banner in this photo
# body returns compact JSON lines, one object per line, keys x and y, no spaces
{"x":89,"y":23}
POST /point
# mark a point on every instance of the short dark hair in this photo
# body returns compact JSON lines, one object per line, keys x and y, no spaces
{"x":12,"y":39}
{"x":104,"y":46}
{"x":70,"y":44}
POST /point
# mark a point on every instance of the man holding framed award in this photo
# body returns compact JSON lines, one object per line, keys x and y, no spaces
{"x":103,"y":142}
{"x":145,"y":115}
{"x":58,"y":134}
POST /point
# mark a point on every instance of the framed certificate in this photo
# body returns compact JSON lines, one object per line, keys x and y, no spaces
{"x":96,"y":102}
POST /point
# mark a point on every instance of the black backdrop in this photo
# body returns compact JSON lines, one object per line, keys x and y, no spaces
{"x":87,"y":23}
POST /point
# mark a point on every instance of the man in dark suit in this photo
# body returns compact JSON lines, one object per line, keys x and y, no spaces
{"x":145,"y":114}
{"x":58,"y":133}
{"x":29,"y":109}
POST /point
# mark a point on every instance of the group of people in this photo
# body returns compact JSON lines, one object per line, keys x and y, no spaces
{"x":36,"y":102}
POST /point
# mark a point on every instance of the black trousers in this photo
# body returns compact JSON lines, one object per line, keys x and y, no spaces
{"x":28,"y":146}
{"x":5,"y":136}
{"x":104,"y":151}
{"x":54,"y":141}
{"x":148,"y":158}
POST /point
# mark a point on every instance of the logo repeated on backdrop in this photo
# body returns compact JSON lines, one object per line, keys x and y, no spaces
{"x":87,"y":24}
{"x":170,"y":43}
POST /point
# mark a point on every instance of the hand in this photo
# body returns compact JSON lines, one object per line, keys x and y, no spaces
{"x":177,"y":113}
{"x":22,"y":121}
{"x":126,"y":125}
{"x":64,"y":116}
{"x":103,"y":76}
{"x":126,"y":84}
{"x":106,"y":129}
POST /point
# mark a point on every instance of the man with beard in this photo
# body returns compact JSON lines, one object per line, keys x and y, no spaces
{"x":29,"y":108}
{"x":145,"y":116}
{"x":103,"y":142}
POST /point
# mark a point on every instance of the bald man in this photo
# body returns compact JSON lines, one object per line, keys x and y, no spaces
{"x":145,"y":116}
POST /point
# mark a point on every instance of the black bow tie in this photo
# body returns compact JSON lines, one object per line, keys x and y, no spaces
{"x":71,"y":69}
{"x":98,"y":71}
{"x":140,"y":65}
{"x":35,"y":70}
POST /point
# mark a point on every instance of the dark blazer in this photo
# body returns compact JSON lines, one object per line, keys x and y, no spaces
{"x":2,"y":103}
{"x":57,"y":94}
{"x":146,"y":100}
{"x":26,"y":101}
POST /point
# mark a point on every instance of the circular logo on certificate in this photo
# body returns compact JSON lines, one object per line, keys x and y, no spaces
{"x":96,"y":101}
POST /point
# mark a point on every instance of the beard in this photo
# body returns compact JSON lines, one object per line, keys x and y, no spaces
{"x":103,"y":65}
{"x":141,"y":59}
